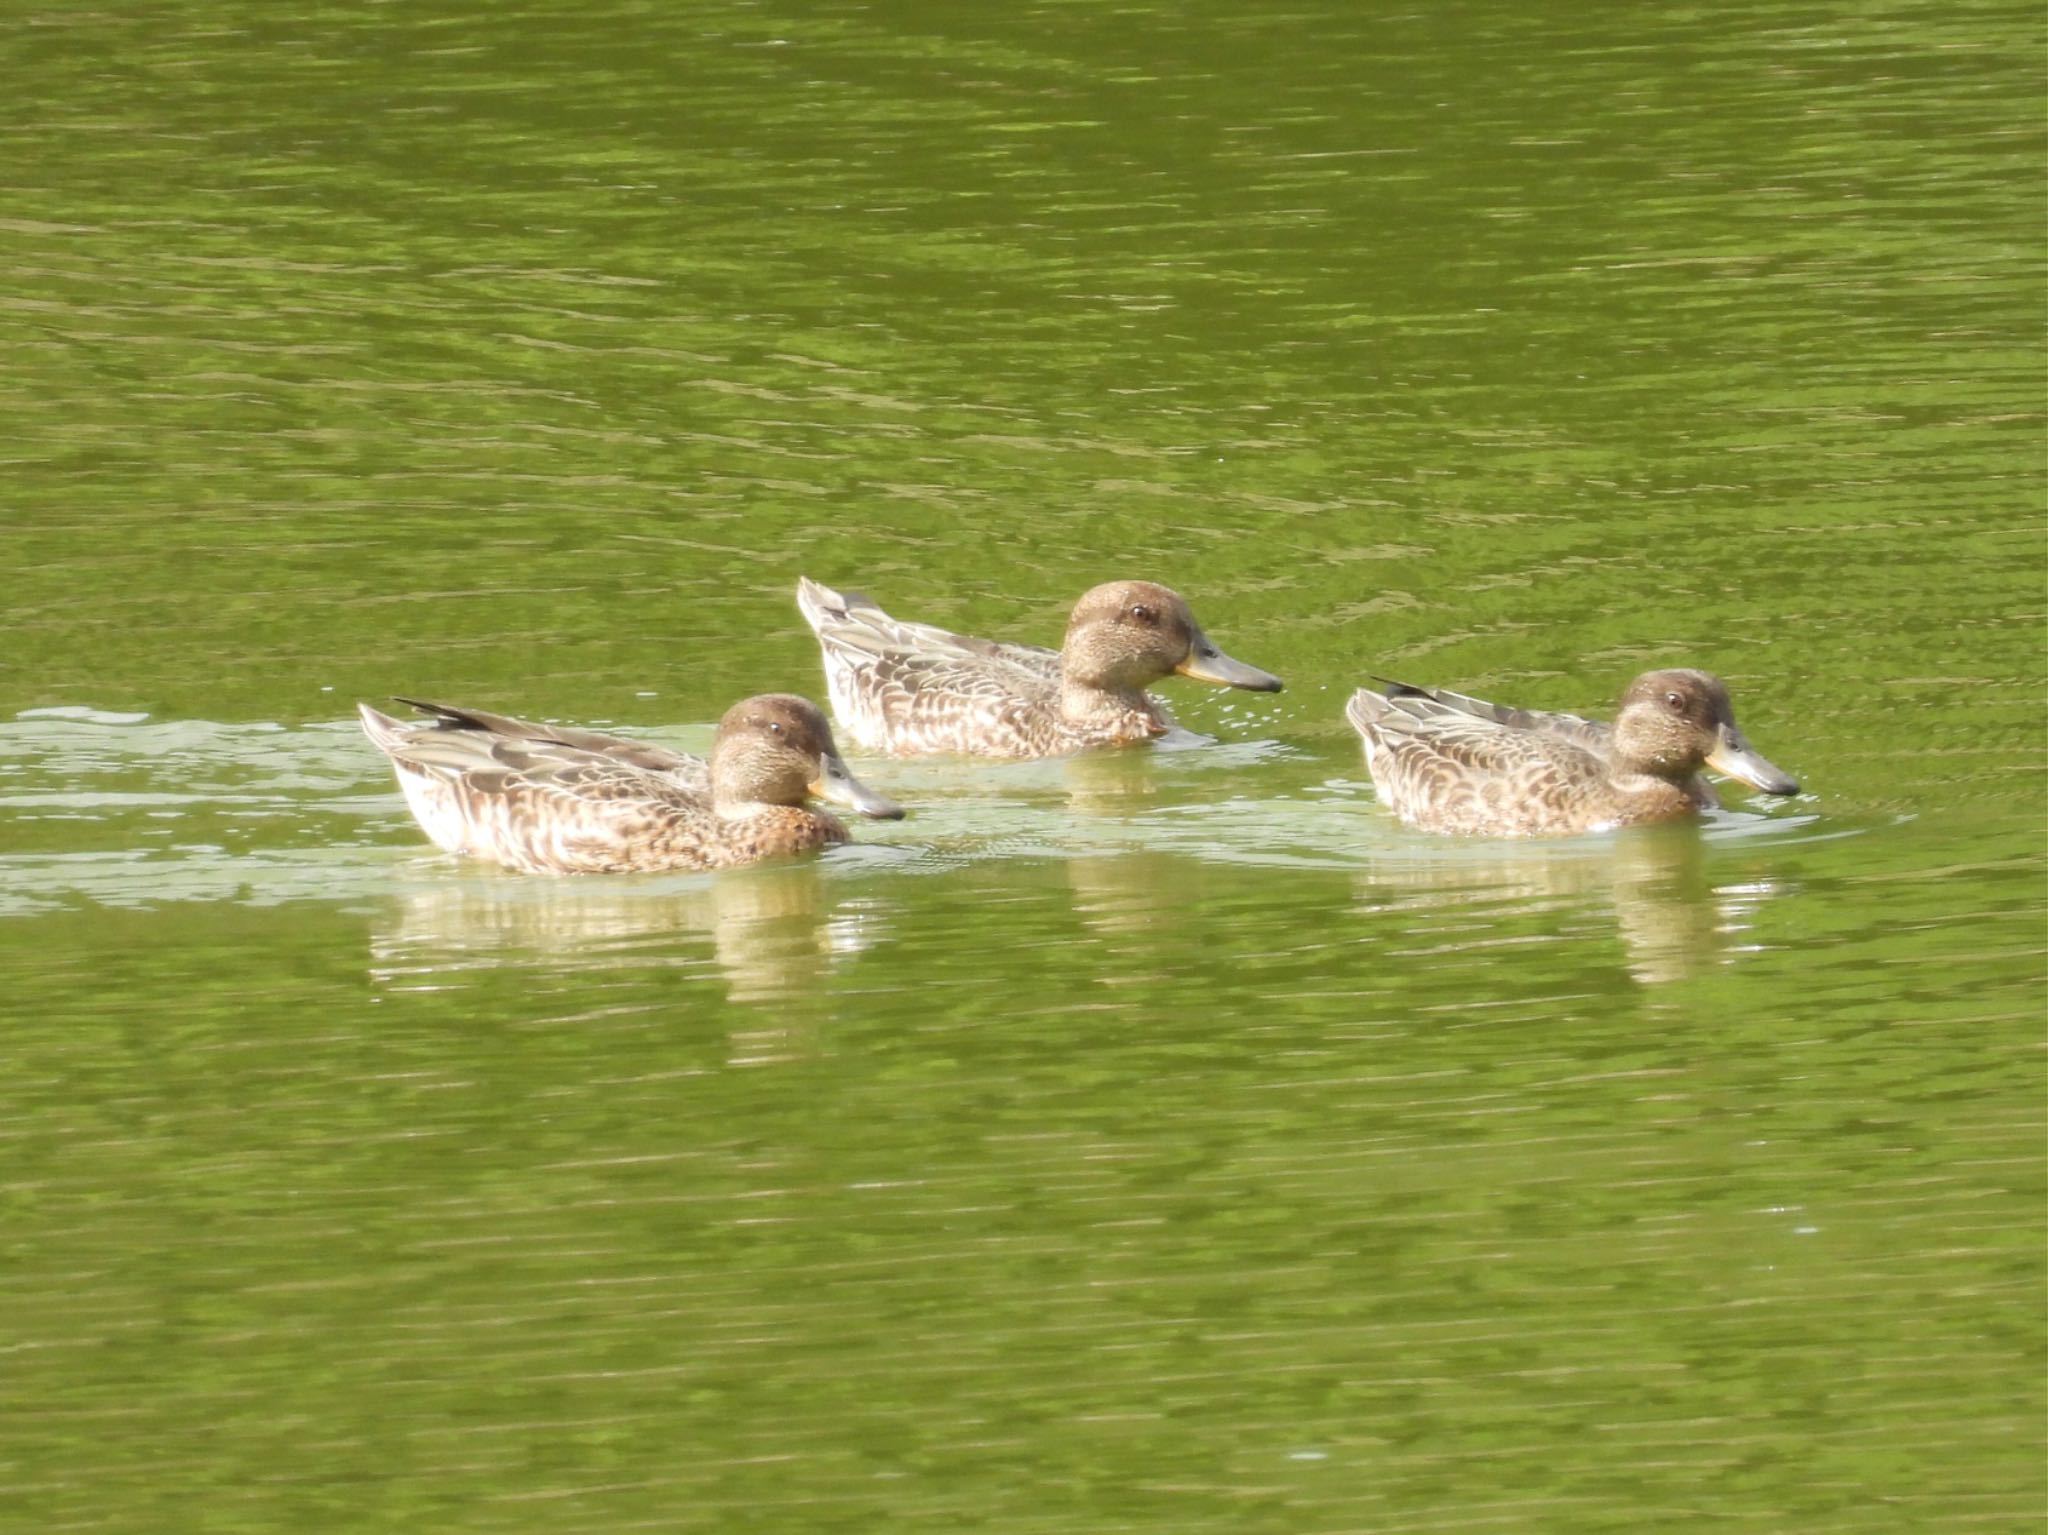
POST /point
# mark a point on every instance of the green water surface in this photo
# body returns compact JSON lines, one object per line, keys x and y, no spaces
{"x":1159,"y":1142}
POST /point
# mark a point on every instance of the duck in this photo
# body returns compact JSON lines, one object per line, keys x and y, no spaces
{"x":907,"y":689}
{"x":1448,"y":762}
{"x":551,"y":799}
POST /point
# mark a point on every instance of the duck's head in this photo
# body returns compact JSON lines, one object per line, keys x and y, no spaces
{"x":1673,"y":723}
{"x":776,"y":749}
{"x":1124,"y":635}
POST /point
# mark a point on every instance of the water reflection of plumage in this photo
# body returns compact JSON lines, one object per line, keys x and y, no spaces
{"x":772,"y":929}
{"x":1673,"y":919}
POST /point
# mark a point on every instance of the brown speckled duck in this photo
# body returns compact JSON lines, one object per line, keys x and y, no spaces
{"x":1446,"y":762}
{"x":546,"y":799}
{"x":907,"y":688}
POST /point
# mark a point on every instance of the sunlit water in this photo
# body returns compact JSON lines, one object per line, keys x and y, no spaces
{"x":1166,"y":1140}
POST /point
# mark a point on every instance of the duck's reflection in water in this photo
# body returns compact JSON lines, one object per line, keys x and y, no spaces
{"x":1110,"y":783}
{"x":1128,"y":894}
{"x":773,"y":931}
{"x":1673,"y":919}
{"x":1120,"y":782}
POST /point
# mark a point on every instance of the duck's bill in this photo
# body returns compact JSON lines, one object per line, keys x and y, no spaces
{"x":837,"y":784}
{"x":1737,"y":759}
{"x":1205,"y":663}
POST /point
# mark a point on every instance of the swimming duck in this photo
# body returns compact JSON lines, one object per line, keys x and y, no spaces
{"x":546,"y":799}
{"x":907,"y":688}
{"x":1446,"y":762}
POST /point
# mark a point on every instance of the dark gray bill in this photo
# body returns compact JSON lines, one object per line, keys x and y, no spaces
{"x":1205,"y":663}
{"x":1736,"y":758}
{"x":837,"y":784}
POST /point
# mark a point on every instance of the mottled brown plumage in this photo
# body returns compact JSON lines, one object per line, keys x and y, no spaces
{"x":548,"y":799}
{"x":1447,"y":762}
{"x":908,"y":688}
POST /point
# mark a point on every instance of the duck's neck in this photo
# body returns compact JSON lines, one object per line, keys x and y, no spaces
{"x":1657,"y":794}
{"x":1091,"y":706}
{"x":736,"y":808}
{"x":809,"y":826}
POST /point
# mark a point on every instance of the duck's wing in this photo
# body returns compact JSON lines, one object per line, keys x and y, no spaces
{"x":1441,"y":703}
{"x":911,"y":702}
{"x":1419,"y":725}
{"x":692,"y":773}
{"x":850,"y":625}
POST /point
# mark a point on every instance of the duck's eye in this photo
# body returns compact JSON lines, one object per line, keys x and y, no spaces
{"x":1143,"y":614}
{"x":1675,"y":700}
{"x":776,"y":726}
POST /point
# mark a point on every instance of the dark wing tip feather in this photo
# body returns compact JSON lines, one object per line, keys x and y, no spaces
{"x":445,"y":713}
{"x":1401,"y":689}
